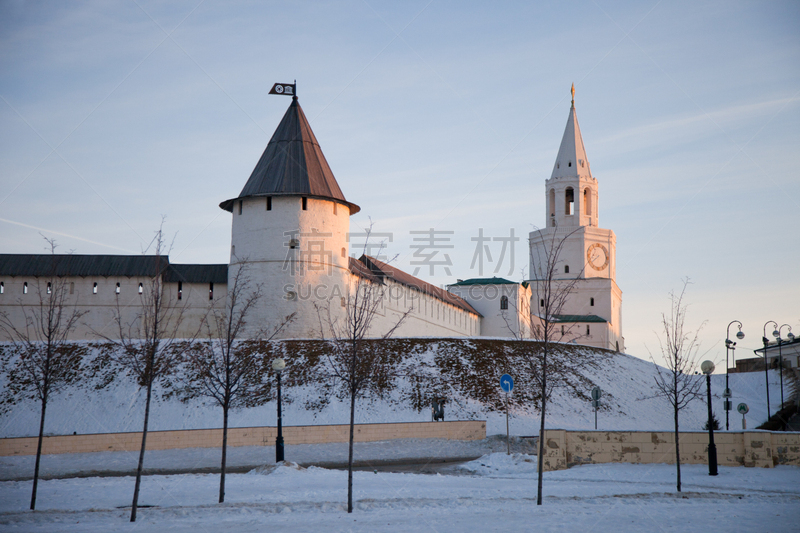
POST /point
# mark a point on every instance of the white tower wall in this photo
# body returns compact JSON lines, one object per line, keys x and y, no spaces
{"x":587,"y":252}
{"x":299,"y":258}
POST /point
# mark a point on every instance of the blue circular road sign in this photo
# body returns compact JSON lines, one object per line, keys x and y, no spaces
{"x":506,"y":383}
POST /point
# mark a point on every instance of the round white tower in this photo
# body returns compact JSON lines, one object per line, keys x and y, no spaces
{"x":289,"y":230}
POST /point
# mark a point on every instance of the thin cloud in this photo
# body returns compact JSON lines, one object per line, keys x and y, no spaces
{"x":53,"y":232}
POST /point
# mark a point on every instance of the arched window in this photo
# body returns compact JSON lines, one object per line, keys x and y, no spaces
{"x":504,"y":302}
{"x":587,"y":201}
{"x":591,"y":301}
{"x":552,"y":203}
{"x":566,"y":269}
{"x":569,"y":201}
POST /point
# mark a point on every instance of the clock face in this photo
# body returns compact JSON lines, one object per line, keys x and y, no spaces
{"x":597,"y":256}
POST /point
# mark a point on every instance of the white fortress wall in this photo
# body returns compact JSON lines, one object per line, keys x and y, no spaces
{"x":100,"y":298}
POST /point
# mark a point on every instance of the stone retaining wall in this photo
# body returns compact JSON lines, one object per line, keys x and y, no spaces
{"x":766,"y":449}
{"x":253,"y":436}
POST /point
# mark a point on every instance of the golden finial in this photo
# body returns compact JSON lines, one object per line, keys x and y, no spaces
{"x":573,"y":94}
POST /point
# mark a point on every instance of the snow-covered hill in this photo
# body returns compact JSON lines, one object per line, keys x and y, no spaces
{"x":626,"y":381}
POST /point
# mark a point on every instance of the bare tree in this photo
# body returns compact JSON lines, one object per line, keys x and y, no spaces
{"x":148,"y":346}
{"x":43,"y":360}
{"x":353,"y":364}
{"x":551,"y":291}
{"x":677,"y":382}
{"x":222,"y":368}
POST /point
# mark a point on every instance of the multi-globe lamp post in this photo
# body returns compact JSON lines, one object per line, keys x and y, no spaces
{"x":780,"y":354}
{"x":765,"y":340}
{"x":278,"y":365}
{"x":730,"y":345}
{"x":707,"y":368}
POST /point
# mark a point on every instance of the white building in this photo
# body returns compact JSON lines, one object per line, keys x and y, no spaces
{"x":572,"y":250}
{"x":290,"y":226}
{"x":785,"y":351}
{"x":504,"y":305}
{"x":593,"y":313}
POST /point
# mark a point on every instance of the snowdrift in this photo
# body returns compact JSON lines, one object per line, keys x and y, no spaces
{"x":465,"y":371}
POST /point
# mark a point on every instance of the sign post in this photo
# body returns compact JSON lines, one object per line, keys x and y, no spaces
{"x":727,"y":404}
{"x":596,"y":393}
{"x":742,"y":408}
{"x":507,"y":384}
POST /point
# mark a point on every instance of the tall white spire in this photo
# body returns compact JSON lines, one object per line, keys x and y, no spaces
{"x":571,"y":160}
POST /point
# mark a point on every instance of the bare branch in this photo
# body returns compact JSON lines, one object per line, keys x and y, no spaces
{"x":677,"y":382}
{"x":42,"y":360}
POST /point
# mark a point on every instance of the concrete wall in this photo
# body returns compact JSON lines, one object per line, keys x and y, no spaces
{"x":765,"y":449}
{"x":101,"y":303}
{"x":429,"y":316}
{"x":254,"y":436}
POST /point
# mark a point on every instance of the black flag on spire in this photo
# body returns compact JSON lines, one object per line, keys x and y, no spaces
{"x":287,"y":89}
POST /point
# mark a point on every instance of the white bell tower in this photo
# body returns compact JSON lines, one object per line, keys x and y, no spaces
{"x":593,"y":313}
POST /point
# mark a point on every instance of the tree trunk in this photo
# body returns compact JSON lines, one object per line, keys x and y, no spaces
{"x":677,"y":450}
{"x":350,"y":454}
{"x":135,"y":503}
{"x":38,"y":454}
{"x":541,"y":427}
{"x":224,"y":452}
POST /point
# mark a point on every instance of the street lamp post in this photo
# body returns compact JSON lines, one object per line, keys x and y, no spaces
{"x":278,"y":365}
{"x":766,"y":359}
{"x":780,"y":354}
{"x":729,"y":345}
{"x":708,"y":367}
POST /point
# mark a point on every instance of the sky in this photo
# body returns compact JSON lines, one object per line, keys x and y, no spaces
{"x":443,"y":115}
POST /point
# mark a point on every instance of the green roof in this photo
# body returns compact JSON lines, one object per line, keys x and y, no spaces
{"x":578,"y":318}
{"x":485,"y":281}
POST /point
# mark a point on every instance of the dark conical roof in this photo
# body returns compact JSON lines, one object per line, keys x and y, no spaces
{"x":292,"y":165}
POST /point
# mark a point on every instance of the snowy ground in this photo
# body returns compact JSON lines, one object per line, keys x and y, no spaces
{"x":496,"y":492}
{"x":629,"y":403}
